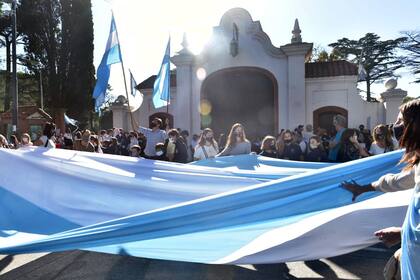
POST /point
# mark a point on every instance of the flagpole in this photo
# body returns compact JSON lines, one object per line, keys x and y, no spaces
{"x":125,"y":82}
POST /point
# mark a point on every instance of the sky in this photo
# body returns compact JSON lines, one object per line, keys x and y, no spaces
{"x":144,"y":27}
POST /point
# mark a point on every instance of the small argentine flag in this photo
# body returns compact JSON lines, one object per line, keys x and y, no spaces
{"x":136,"y":98}
{"x":161,"y":87}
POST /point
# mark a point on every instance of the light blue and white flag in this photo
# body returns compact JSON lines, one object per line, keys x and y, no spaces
{"x":161,"y":87}
{"x":133,"y":85}
{"x":136,"y":97}
{"x":68,"y":120}
{"x":192,"y":212}
{"x":111,"y":56}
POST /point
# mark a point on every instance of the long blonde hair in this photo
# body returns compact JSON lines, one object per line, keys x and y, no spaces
{"x":231,"y":141}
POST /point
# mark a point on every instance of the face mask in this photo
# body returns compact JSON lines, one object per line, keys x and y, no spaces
{"x":313,"y":146}
{"x":398,"y":131}
{"x":287,"y":141}
{"x":380,"y":137}
{"x":159,"y":153}
{"x":272,"y":147}
{"x":172,"y":140}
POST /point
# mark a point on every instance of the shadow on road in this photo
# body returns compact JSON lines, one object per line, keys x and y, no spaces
{"x":5,"y":262}
{"x":91,"y":266}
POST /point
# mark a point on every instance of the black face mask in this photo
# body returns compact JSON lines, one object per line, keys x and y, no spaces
{"x":398,"y":131}
{"x":288,"y":141}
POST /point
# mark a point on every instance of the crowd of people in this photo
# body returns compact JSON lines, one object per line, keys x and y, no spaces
{"x":301,"y":143}
{"x":162,"y":143}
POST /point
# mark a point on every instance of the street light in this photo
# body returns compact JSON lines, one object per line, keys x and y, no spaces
{"x":14,"y":81}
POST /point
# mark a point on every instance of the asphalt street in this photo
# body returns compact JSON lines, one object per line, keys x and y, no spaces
{"x":363,"y":264}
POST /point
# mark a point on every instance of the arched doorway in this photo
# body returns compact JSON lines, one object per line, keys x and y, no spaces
{"x":247,"y":95}
{"x":323,"y":117}
{"x":164,"y":117}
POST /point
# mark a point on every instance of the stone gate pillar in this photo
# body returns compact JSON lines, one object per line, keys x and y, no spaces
{"x":119,"y":116}
{"x":183,"y":107}
{"x":392,"y":99}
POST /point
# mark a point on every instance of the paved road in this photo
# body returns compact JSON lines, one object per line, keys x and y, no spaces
{"x":364,"y":264}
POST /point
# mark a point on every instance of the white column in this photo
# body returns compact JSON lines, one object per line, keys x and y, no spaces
{"x":119,"y":116}
{"x":183,"y":106}
{"x":296,"y":82}
{"x":392,"y":99}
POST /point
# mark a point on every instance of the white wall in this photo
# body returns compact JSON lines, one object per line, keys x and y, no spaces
{"x":342,"y":92}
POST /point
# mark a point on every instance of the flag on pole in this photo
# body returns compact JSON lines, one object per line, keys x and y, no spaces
{"x":111,"y":56}
{"x":161,"y":87}
{"x":68,"y":120}
{"x":136,"y":98}
{"x":133,"y":84}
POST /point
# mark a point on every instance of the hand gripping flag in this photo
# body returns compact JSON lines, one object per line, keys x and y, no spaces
{"x":161,"y":87}
{"x":112,"y":55}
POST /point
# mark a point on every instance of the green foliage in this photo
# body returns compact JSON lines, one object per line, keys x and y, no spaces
{"x":377,"y":57}
{"x":58,"y":39}
{"x":412,"y":46}
{"x":320,"y":54}
{"x":28,"y":89}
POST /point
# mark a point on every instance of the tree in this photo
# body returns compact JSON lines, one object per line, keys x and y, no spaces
{"x":378,"y":57}
{"x":320,"y":54}
{"x":79,"y":95}
{"x":6,"y":41}
{"x":412,"y":46}
{"x":58,"y":36}
{"x":41,"y":29}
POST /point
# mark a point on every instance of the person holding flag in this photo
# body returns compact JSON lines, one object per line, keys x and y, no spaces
{"x":407,"y":130}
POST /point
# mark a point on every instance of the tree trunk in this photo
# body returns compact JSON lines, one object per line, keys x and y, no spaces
{"x":7,"y":80}
{"x":368,"y":97}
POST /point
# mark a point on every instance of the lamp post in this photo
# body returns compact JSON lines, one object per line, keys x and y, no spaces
{"x":14,"y":81}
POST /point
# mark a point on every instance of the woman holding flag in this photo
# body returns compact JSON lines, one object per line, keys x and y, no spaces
{"x":407,"y":131}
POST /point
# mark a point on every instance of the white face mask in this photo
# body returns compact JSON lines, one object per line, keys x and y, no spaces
{"x":159,"y":153}
{"x":313,"y":146}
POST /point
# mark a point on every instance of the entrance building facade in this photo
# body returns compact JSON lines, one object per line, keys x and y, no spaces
{"x":240,"y":76}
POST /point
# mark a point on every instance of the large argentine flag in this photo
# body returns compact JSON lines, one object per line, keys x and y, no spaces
{"x":111,"y":56}
{"x":161,"y":87}
{"x":249,"y":209}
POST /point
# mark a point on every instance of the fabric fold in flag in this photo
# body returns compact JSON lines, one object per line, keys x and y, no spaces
{"x":162,"y":84}
{"x":111,"y":56}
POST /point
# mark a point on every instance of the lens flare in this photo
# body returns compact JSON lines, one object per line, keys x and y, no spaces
{"x":205,"y":107}
{"x":201,"y":74}
{"x":205,"y":120}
